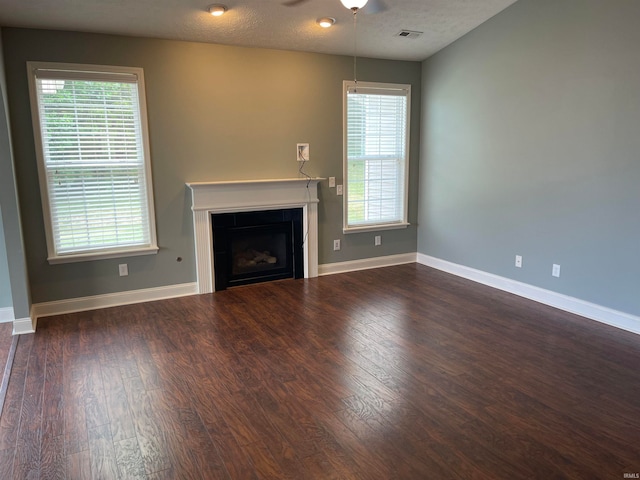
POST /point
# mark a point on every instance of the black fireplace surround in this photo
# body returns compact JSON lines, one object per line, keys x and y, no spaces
{"x":251,"y":247}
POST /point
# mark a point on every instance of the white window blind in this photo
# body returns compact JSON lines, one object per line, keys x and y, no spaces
{"x":94,"y":165}
{"x":376,"y":155}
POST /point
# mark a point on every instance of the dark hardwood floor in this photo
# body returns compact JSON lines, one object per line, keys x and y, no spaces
{"x":8,"y":345}
{"x":395,"y":373}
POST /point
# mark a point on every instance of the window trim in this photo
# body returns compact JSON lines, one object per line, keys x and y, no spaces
{"x":78,"y":70}
{"x":373,"y":87}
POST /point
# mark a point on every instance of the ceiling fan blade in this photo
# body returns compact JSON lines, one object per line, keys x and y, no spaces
{"x":293,"y":3}
{"x":374,"y":6}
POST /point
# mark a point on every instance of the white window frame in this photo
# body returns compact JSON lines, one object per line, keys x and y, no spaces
{"x":386,"y":89}
{"x":90,"y":72}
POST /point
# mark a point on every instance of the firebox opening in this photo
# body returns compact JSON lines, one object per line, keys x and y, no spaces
{"x":253,"y":252}
{"x":251,"y":247}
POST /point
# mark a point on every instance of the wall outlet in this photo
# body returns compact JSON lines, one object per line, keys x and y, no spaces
{"x":519,"y":261}
{"x":332,"y":182}
{"x":123,"y":269}
{"x":336,"y":245}
{"x":302,"y":150}
{"x":339,"y":190}
{"x":377,"y":240}
{"x":555,"y":271}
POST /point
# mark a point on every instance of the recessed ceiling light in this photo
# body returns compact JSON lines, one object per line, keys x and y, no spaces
{"x":217,"y":10}
{"x":326,"y":22}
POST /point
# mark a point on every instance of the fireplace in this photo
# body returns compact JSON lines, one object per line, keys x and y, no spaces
{"x":250,"y":196}
{"x":253,"y":247}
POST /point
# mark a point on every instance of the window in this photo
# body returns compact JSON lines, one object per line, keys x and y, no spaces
{"x":376,"y":157}
{"x":93,"y":160}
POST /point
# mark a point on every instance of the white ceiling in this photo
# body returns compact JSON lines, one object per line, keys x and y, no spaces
{"x":267,"y":23}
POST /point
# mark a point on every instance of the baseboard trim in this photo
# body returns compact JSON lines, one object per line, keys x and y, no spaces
{"x":366,"y":263}
{"x":112,"y":300}
{"x":615,"y":318}
{"x":24,"y":325}
{"x":6,"y":314}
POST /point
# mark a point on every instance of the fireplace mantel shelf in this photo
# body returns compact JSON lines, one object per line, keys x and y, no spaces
{"x":251,"y":195}
{"x":245,"y":194}
{"x":270,"y":181}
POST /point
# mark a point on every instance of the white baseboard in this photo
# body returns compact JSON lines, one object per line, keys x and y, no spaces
{"x":624,"y":321}
{"x":24,"y":325}
{"x":112,"y":300}
{"x":6,"y":314}
{"x":589,"y":310}
{"x":366,"y":263}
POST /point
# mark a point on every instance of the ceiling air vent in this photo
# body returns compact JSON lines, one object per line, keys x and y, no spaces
{"x":409,"y":34}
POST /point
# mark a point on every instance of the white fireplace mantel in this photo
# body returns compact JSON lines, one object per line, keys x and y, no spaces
{"x":246,"y":196}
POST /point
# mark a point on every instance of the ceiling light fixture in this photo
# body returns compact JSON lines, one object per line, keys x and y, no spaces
{"x":326,"y":22}
{"x":217,"y":10}
{"x":354,"y":4}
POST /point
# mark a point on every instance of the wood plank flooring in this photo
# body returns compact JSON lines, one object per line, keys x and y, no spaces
{"x":7,"y":350}
{"x":396,"y":373}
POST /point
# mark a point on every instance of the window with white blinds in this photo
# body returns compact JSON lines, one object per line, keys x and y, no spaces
{"x":95,"y":176}
{"x":376,"y":157}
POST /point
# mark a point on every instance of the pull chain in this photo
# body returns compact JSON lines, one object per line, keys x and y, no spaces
{"x":355,"y":46}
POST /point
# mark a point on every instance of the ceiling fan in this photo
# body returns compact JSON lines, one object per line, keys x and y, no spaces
{"x":372,"y":6}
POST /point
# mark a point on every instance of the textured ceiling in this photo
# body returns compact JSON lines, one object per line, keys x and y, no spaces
{"x":267,"y":23}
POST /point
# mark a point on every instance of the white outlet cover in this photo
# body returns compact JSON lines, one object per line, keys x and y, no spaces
{"x":338,"y":189}
{"x":332,"y":182}
{"x":302,"y":152}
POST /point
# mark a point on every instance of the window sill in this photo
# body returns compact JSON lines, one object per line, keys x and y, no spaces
{"x":375,"y":228}
{"x":90,"y":256}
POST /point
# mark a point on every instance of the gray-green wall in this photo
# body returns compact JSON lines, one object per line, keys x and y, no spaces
{"x":10,"y":221}
{"x":215,"y":113}
{"x":531,"y":146}
{"x":5,"y":283}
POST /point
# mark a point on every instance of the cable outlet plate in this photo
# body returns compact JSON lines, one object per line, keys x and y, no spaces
{"x":519,"y":261}
{"x":302,"y":152}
